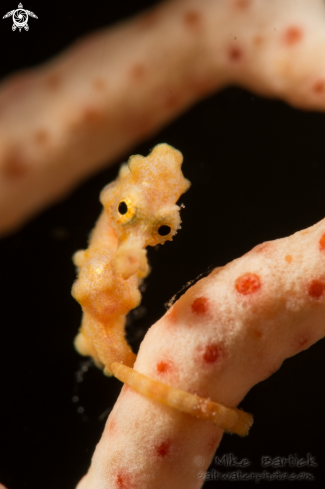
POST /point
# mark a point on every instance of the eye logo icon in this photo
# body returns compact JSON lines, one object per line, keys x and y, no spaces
{"x":20,"y":18}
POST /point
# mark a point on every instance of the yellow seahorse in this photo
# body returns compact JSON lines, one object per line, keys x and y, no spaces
{"x":139,"y":210}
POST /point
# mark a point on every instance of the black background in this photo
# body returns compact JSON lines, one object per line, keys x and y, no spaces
{"x":258,"y":172}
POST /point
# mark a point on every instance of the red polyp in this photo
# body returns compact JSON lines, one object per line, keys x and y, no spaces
{"x":292,"y":35}
{"x":248,"y":283}
{"x":302,"y":342}
{"x":111,"y":426}
{"x":99,"y":84}
{"x":137,"y":71}
{"x":322,"y":243}
{"x":169,"y":99}
{"x":53,"y":81}
{"x":122,"y":480}
{"x":319,"y":87}
{"x":258,"y":40}
{"x":15,"y":166}
{"x":212,"y":353}
{"x":242,"y":4}
{"x":316,"y":289}
{"x":162,"y":449}
{"x":214,"y":441}
{"x":235,"y":53}
{"x":41,"y":136}
{"x":171,"y":315}
{"x":90,"y":114}
{"x":200,"y":305}
{"x":256,"y":333}
{"x":263,"y":247}
{"x":192,"y":18}
{"x":163,"y":367}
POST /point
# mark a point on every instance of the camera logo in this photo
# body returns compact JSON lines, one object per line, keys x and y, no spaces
{"x":20,"y":18}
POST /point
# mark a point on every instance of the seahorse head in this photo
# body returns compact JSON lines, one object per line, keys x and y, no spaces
{"x":141,"y":203}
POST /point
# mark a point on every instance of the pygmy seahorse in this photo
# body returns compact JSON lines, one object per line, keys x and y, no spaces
{"x":139,"y":210}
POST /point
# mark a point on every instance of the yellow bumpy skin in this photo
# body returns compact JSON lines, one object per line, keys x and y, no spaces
{"x":139,"y":210}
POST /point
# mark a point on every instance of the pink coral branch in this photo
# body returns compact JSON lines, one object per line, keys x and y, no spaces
{"x":67,"y":119}
{"x":228,"y":332}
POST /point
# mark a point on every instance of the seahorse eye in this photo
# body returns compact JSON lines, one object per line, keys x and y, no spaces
{"x":122,"y":208}
{"x":164,"y":230}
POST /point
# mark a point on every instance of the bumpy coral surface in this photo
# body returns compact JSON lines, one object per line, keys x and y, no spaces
{"x":116,"y":87}
{"x":229,"y":331}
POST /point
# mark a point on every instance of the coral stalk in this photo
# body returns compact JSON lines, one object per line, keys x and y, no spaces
{"x":79,"y":112}
{"x":228,"y":332}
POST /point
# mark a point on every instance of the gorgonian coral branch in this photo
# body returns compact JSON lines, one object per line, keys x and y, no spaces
{"x":70,"y":117}
{"x":229,"y":331}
